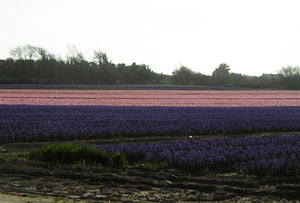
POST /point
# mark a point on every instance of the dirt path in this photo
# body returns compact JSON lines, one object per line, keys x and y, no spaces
{"x":4,"y":198}
{"x":137,"y":185}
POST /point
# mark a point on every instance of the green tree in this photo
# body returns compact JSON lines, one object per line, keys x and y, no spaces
{"x":221,"y":74}
{"x":182,"y":76}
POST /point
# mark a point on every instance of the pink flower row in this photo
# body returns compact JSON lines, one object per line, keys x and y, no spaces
{"x":205,"y":98}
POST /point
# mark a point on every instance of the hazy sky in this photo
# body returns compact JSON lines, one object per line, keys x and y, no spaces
{"x":252,"y":36}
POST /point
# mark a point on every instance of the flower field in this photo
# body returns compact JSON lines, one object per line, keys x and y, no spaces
{"x":52,"y":115}
{"x":27,"y":123}
{"x":272,"y":155}
{"x":115,"y":87}
{"x":179,"y":98}
{"x":28,"y":115}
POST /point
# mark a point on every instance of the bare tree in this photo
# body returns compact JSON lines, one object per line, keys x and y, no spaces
{"x":43,"y":53}
{"x":26,"y":52}
{"x":30,"y":51}
{"x":101,"y":58}
{"x":289,"y":71}
{"x":16,"y":53}
{"x":73,"y":55}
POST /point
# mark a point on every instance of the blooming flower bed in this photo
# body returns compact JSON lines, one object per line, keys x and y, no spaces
{"x":27,"y":123}
{"x":270,"y":155}
{"x":180,"y":98}
{"x":117,"y":87}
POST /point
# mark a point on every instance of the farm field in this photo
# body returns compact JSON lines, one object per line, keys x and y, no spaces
{"x":117,"y":87}
{"x":269,"y":155}
{"x":180,"y":98}
{"x":58,"y":123}
{"x":191,"y":145}
{"x":45,"y":115}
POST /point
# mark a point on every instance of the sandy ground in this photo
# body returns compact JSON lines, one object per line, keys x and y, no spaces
{"x":19,"y":199}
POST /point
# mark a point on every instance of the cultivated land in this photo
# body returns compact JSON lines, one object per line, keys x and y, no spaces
{"x":267,"y":171}
{"x":168,"y":98}
{"x":51,"y":182}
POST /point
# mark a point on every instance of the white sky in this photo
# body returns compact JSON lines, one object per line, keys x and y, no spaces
{"x":252,"y":36}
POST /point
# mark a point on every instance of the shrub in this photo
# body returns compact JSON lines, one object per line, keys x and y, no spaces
{"x":68,"y":153}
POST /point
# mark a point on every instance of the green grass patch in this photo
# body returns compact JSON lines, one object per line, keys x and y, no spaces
{"x":69,"y":153}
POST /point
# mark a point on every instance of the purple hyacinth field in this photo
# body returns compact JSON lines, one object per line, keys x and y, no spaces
{"x":50,"y":123}
{"x":271,"y":155}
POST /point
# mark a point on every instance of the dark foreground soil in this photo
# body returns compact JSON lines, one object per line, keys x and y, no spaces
{"x":23,"y":180}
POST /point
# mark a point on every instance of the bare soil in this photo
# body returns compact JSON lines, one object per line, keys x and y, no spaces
{"x":23,"y":180}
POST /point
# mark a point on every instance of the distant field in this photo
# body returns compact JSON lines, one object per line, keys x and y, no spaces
{"x":28,"y":115}
{"x":119,"y":87}
{"x":170,"y":98}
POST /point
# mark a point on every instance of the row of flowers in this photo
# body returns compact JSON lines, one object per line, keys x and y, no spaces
{"x":269,"y":155}
{"x":27,"y":123}
{"x":123,"y":87}
{"x":180,"y":98}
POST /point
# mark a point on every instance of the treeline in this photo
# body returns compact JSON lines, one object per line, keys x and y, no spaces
{"x":35,"y":65}
{"x":287,"y":78}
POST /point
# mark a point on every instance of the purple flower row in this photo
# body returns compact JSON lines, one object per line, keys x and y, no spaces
{"x":270,"y":155}
{"x":21,"y":122}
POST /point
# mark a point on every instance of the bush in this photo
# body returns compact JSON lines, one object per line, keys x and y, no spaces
{"x":118,"y":160}
{"x":68,"y":153}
